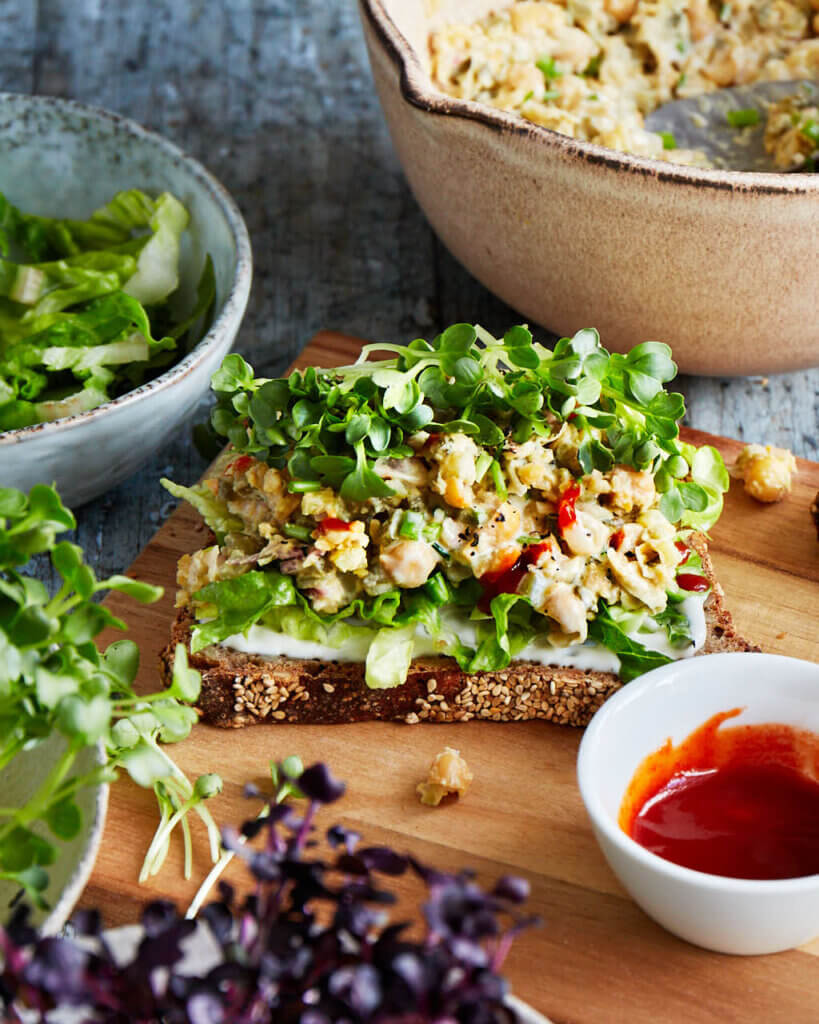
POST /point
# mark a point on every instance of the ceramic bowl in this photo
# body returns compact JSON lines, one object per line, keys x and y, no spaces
{"x":720,"y":265}
{"x":58,"y":157}
{"x":19,"y":780}
{"x":729,"y":915}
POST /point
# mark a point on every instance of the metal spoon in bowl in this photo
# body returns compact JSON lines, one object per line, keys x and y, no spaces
{"x":701,"y":122}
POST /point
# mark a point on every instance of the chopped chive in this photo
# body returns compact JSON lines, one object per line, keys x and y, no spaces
{"x":297,"y":532}
{"x":669,"y":142}
{"x":526,"y":539}
{"x":528,"y":96}
{"x":482,"y":463}
{"x":442,"y":551}
{"x":411,"y":525}
{"x":497,"y":479}
{"x":742,"y":118}
{"x":680,"y":81}
{"x":725,"y":12}
{"x":431,"y":532}
{"x":551,"y":94}
{"x":437,"y":589}
{"x":303,"y":486}
{"x":548,"y":67}
{"x":682,"y":46}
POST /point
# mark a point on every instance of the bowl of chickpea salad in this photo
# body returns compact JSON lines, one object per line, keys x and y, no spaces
{"x":521,"y":129}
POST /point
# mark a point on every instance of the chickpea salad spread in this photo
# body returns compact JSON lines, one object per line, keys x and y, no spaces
{"x":484,"y":498}
{"x":594,"y":69}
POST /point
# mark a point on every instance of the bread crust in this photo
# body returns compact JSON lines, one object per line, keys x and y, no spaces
{"x":241,"y":689}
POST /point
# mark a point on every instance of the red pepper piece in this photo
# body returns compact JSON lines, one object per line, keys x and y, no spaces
{"x":566,"y":511}
{"x":331,"y":523}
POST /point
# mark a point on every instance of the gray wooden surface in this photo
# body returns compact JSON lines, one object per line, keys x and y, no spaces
{"x":275,"y":97}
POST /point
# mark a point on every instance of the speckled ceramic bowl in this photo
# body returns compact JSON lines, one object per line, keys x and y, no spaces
{"x":19,"y":780}
{"x":59,"y":158}
{"x":722,"y":265}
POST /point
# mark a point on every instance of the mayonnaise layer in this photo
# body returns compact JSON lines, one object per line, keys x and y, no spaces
{"x":590,"y":656}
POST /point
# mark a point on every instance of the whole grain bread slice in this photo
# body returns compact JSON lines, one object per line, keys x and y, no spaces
{"x":241,"y":689}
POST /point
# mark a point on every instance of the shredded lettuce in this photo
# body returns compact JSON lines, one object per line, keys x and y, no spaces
{"x":389,"y":657}
{"x":676,"y":625}
{"x":635,"y":659}
{"x":157,"y":272}
{"x":231,"y":606}
{"x":709,"y":472}
{"x":211,"y":508}
{"x":80,"y":296}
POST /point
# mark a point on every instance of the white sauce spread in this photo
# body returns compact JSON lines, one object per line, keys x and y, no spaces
{"x":590,"y":656}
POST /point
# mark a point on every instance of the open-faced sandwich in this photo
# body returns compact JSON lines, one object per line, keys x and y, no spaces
{"x":475,"y":528}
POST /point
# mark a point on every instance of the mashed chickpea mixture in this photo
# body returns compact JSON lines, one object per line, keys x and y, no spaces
{"x":593,"y":69}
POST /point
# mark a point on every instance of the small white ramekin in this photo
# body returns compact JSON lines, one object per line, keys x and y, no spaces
{"x":729,"y":915}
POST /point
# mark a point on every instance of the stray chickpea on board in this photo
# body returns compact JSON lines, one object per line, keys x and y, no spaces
{"x":766,"y":471}
{"x":448,"y":773}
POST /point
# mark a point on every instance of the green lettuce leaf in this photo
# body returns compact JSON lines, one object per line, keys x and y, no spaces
{"x":157,"y":272}
{"x":389,"y":657}
{"x":634,"y":658}
{"x":709,"y":472}
{"x":240,"y":602}
{"x":103,"y":287}
{"x":212,"y":509}
{"x":676,"y":625}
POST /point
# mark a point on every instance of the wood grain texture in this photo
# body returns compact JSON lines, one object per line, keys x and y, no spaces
{"x":598,"y":959}
{"x":276,"y":99}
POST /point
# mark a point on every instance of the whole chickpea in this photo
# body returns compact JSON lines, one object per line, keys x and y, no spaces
{"x":766,"y":471}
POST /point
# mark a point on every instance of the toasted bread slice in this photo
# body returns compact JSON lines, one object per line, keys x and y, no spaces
{"x":241,"y":689}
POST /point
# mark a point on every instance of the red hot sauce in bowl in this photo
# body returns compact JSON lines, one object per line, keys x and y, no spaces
{"x":741,"y":801}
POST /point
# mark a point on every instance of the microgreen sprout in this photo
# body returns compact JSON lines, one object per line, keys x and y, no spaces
{"x":284,"y":788}
{"x":54,"y":680}
{"x":329,"y":427}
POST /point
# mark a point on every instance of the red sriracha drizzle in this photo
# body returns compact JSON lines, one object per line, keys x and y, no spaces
{"x":684,"y":550}
{"x":566,"y":511}
{"x":692,"y":581}
{"x":507,"y":579}
{"x":244,"y":462}
{"x":331,"y":523}
{"x":741,"y":802}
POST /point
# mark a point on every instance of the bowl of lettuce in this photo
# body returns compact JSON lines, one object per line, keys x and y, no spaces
{"x":125,"y":269}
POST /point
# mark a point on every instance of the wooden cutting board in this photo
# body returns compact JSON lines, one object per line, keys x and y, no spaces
{"x":597,"y":958}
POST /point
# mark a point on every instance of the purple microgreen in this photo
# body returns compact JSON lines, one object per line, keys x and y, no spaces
{"x":310,"y":944}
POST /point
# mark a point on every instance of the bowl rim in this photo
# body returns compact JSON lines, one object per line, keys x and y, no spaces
{"x":417,"y":89}
{"x":770,"y":664}
{"x":233,"y":307}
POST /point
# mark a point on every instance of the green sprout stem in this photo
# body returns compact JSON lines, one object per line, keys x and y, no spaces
{"x":44,"y":797}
